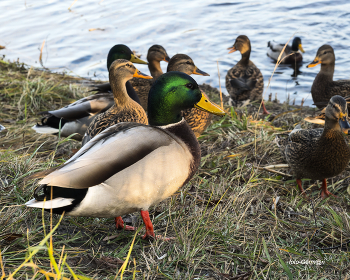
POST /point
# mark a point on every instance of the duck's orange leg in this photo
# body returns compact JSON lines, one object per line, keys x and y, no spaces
{"x":119,"y":223}
{"x":300,"y":185}
{"x":264,"y":108}
{"x":324,"y":192}
{"x":149,"y":227}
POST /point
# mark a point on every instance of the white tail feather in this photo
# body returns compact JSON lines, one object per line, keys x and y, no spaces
{"x":45,"y":129}
{"x":50,"y":204}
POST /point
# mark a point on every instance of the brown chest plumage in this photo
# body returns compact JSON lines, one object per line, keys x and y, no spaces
{"x":320,"y":158}
{"x":250,"y":75}
{"x":131,"y":112}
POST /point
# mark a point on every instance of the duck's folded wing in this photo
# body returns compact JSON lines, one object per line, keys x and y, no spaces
{"x":101,"y":88}
{"x":340,"y":87}
{"x":84,"y":107}
{"x":275,"y":47}
{"x":305,"y":135}
{"x":113,"y":150}
{"x":243,"y":84}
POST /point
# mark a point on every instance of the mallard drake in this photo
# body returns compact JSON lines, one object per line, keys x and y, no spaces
{"x":197,"y":119}
{"x":131,"y":166}
{"x":290,"y":55}
{"x":321,"y":153}
{"x":244,"y":81}
{"x":323,"y":87}
{"x":76,"y":117}
{"x":124,"y":109}
{"x":155,"y":55}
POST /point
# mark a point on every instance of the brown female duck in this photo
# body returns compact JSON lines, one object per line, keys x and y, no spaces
{"x":197,"y":119}
{"x":321,"y":153}
{"x":124,"y":109}
{"x":76,"y":117}
{"x":244,"y":81}
{"x":155,"y":55}
{"x":323,"y":87}
{"x":290,"y":55}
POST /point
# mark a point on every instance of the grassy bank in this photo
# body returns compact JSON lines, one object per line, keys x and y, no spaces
{"x":240,"y":217}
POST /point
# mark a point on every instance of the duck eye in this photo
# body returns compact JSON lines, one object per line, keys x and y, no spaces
{"x":190,"y":85}
{"x":128,"y":65}
{"x":188,"y":62}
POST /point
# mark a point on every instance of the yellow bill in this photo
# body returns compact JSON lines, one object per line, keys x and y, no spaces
{"x":301,"y":48}
{"x":139,"y":74}
{"x":205,"y":105}
{"x":135,"y":59}
{"x":315,"y":62}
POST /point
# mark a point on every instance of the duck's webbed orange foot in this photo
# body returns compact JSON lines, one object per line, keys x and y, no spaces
{"x":324,"y":191}
{"x":119,"y":223}
{"x":149,"y":235}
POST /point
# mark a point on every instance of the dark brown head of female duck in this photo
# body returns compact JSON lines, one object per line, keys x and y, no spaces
{"x":242,"y":44}
{"x":155,"y":55}
{"x":325,"y":56}
{"x":120,"y":71}
{"x":183,"y":63}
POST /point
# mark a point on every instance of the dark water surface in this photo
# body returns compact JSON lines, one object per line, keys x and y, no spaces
{"x":202,"y":29}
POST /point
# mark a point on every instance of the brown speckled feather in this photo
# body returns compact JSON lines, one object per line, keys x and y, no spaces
{"x":323,"y":88}
{"x":125,"y":109}
{"x":315,"y":154}
{"x":142,"y":87}
{"x":248,"y":73}
{"x":318,"y":153}
{"x":197,"y":119}
{"x":132,"y":112}
{"x":244,"y":80}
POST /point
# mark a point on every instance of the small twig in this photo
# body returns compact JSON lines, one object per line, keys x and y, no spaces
{"x":283,"y":165}
{"x":72,"y":4}
{"x":273,"y":171}
{"x":41,"y":54}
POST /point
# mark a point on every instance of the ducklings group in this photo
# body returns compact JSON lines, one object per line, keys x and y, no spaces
{"x":131,"y":160}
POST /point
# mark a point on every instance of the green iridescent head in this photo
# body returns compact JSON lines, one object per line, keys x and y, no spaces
{"x":171,"y":93}
{"x":121,"y":51}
